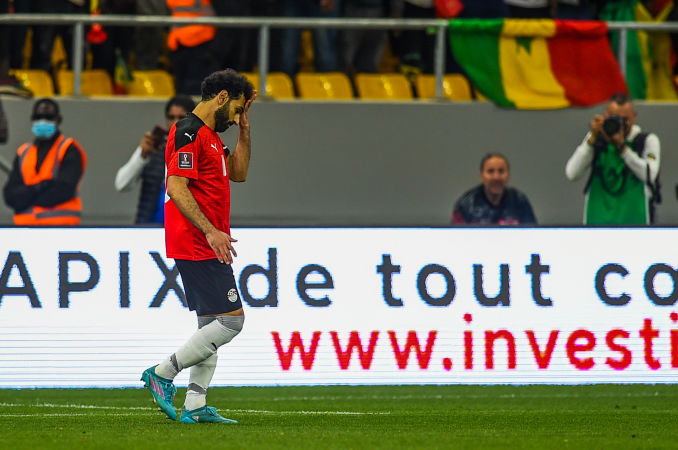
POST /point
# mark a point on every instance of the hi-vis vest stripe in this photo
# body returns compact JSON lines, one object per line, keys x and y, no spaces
{"x":190,"y":35}
{"x":66,"y":213}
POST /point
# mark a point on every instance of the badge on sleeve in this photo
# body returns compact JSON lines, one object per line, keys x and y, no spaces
{"x":185,"y":160}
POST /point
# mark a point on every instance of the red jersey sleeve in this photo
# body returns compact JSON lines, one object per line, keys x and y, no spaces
{"x":182,"y":160}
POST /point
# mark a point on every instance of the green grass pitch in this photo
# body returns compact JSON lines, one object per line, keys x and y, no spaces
{"x":359,"y":417}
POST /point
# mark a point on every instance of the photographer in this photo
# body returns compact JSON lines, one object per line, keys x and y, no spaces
{"x":622,"y":188}
{"x":147,"y":164}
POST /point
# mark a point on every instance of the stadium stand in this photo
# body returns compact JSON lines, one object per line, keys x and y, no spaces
{"x":324,"y":86}
{"x":381,"y":86}
{"x":94,"y":83}
{"x":278,"y":84}
{"x":37,"y":81}
{"x":455,"y":87}
{"x":151,"y":83}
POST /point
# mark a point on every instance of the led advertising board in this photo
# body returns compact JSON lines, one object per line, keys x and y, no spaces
{"x":95,"y":307}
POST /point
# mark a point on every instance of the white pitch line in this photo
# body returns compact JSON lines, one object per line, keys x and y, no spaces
{"x":141,"y":408}
{"x":66,"y":415}
{"x":458,"y":396}
{"x":72,"y":406}
{"x":319,"y":413}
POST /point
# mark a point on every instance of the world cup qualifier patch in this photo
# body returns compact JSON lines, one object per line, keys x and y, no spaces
{"x":185,"y":160}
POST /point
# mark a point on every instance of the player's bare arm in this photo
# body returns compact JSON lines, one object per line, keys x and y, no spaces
{"x":177,"y":190}
{"x":239,"y":161}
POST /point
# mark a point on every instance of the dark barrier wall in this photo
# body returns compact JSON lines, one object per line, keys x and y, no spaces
{"x":357,"y":163}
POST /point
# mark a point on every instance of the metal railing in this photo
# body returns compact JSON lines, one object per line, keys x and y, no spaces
{"x":265,"y":24}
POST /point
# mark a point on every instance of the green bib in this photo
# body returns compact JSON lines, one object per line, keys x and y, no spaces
{"x":616,"y":196}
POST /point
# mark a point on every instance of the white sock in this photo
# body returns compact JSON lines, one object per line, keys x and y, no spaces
{"x":203,"y":344}
{"x":199,"y":380}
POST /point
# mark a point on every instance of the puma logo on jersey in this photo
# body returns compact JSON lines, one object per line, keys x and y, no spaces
{"x":214,"y":146}
{"x":190,"y":136}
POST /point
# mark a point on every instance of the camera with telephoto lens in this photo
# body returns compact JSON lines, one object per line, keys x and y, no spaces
{"x":612,"y":124}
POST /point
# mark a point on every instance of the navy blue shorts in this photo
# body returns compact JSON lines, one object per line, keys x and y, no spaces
{"x":210,"y":286}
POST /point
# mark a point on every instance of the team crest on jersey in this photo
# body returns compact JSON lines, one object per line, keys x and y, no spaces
{"x":232,"y":295}
{"x":185,"y":160}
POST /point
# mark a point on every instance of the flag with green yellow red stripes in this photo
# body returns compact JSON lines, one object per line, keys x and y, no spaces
{"x":537,"y":64}
{"x":649,"y":71}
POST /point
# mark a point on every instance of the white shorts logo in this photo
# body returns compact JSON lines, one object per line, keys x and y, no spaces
{"x":232,"y":296}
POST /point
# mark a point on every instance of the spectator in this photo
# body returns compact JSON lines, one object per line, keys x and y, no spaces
{"x":531,"y":9}
{"x":17,"y":34}
{"x":44,"y":35}
{"x":575,"y":9}
{"x":192,"y":48}
{"x":624,"y":161}
{"x":236,"y":50}
{"x":324,"y":39}
{"x":484,"y":9}
{"x":42,"y":188}
{"x":119,"y":40}
{"x":8,"y":84}
{"x":492,"y":202}
{"x":361,"y":50}
{"x":147,"y":164}
{"x":414,"y":48}
{"x":148,"y":41}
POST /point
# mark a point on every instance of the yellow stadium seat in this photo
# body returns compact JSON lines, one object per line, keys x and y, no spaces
{"x":37,"y":81}
{"x":455,"y":87}
{"x":94,"y":82}
{"x":278,"y":84}
{"x":151,"y":83}
{"x":324,"y":86}
{"x":392,"y":86}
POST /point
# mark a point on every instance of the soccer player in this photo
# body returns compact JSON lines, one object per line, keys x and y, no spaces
{"x":197,"y":236}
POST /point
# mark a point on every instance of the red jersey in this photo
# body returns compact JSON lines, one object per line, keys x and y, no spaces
{"x":195,"y":151}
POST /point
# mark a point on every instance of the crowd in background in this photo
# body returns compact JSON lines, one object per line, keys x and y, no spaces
{"x":350,"y":51}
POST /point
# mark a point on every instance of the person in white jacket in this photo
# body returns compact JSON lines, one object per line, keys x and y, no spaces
{"x":623,"y":166}
{"x":147,"y":164}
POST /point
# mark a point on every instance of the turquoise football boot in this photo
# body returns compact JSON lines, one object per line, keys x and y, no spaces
{"x":162,"y":390}
{"x":206,"y":414}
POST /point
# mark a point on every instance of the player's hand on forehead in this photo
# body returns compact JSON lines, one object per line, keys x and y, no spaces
{"x":249,"y":102}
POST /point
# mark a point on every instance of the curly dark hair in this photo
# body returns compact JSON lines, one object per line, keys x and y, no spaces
{"x":226,"y":80}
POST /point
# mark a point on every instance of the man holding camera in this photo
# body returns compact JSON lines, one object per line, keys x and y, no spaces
{"x":622,"y":188}
{"x":147,"y":164}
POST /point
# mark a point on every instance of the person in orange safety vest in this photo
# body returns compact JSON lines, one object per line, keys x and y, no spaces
{"x":192,"y":47}
{"x":42,"y":188}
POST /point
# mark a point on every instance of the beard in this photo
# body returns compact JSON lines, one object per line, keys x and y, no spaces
{"x":221,"y":122}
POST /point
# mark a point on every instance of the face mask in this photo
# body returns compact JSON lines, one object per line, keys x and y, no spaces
{"x":221,"y":118}
{"x":43,"y":128}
